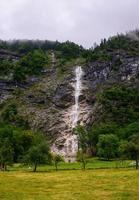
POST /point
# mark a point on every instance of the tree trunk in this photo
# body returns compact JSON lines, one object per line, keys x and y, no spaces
{"x":83,"y":165}
{"x":5,"y":167}
{"x":35,"y":167}
{"x":137,"y":164}
{"x":2,"y":166}
{"x":56,"y":166}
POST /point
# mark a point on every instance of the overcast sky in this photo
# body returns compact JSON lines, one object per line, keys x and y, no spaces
{"x":81,"y":21}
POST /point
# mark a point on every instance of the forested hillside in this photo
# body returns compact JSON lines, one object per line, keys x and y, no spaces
{"x":36,"y":95}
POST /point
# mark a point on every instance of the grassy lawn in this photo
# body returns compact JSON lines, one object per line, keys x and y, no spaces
{"x":94,"y":163}
{"x":111,"y":184}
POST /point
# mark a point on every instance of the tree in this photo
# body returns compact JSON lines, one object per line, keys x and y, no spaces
{"x":30,"y":64}
{"x":6,"y":154}
{"x":83,"y":144}
{"x":6,"y":67}
{"x":82,"y":157}
{"x":108,"y":146}
{"x":22,"y":141}
{"x":100,"y":129}
{"x":10,"y":115}
{"x":56,"y":159}
{"x":120,"y":104}
{"x":130,"y":148}
{"x":38,"y":153}
{"x":6,"y":147}
{"x":82,"y":135}
{"x":14,"y":143}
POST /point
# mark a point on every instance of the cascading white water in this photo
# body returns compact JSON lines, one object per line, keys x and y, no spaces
{"x":70,"y":144}
{"x":78,"y":88}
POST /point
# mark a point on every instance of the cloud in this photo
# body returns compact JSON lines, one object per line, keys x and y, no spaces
{"x":81,"y":21}
{"x":133,"y":35}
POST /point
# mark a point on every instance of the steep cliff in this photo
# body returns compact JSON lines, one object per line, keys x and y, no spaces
{"x":46,"y":101}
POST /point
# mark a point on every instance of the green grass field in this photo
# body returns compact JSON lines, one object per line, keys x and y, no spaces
{"x":102,"y":180}
{"x":110,"y":184}
{"x":94,"y":163}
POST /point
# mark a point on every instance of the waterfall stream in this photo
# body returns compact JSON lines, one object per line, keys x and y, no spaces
{"x":67,"y":139}
{"x":78,"y":87}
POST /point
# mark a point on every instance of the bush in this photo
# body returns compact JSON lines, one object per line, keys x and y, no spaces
{"x":108,"y":146}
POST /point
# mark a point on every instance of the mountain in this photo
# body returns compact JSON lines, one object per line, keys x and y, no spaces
{"x":38,"y":82}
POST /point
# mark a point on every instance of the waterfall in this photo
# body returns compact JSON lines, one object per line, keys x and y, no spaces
{"x":69,"y":140}
{"x":78,"y":87}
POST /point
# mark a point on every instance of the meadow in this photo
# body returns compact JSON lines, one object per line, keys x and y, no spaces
{"x":110,"y":184}
{"x":93,"y":163}
{"x":110,"y":180}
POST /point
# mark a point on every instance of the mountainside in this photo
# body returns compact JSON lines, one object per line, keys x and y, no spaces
{"x":43,"y":96}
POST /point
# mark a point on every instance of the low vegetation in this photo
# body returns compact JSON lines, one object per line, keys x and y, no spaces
{"x":92,"y":184}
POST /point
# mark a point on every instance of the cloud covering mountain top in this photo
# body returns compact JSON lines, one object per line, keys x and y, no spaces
{"x":81,"y":21}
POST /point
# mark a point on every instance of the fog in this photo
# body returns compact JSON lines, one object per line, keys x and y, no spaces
{"x":80,"y":21}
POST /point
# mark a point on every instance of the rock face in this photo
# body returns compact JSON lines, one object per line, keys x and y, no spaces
{"x":96,"y":76}
{"x":4,"y":54}
{"x":66,"y":143}
{"x":47,"y":102}
{"x":6,"y":89}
